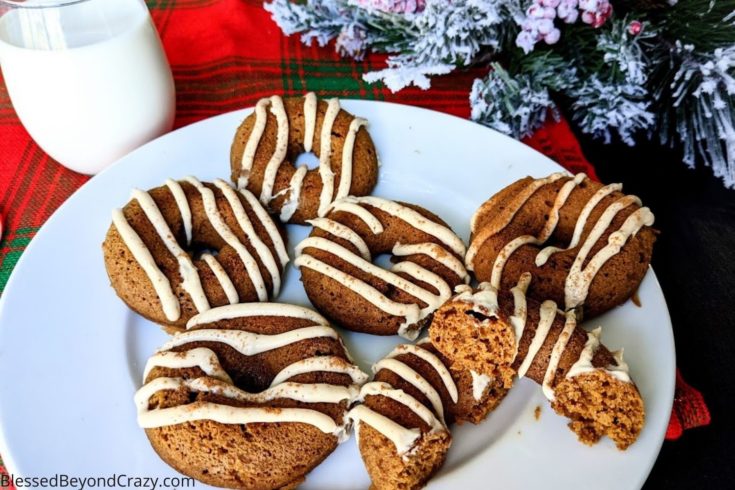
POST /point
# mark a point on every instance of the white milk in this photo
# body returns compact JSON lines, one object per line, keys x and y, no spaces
{"x":94,"y":85}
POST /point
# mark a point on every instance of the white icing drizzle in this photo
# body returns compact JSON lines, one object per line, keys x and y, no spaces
{"x":270,"y":227}
{"x":520,"y":200}
{"x":379,"y":388}
{"x":325,"y":155}
{"x":504,"y":255}
{"x":279,"y":154}
{"x":347,"y":205}
{"x":584,"y":363}
{"x":410,"y":312}
{"x":415,"y":379}
{"x":339,"y":230}
{"x":520,"y":308}
{"x":559,"y":346}
{"x":161,"y":284}
{"x":332,"y":364}
{"x":191,"y":282}
{"x":294,"y":193}
{"x":224,"y":280}
{"x":310,"y":105}
{"x":183,"y":204}
{"x":345,"y":178}
{"x":415,"y":219}
{"x":444,"y":292}
{"x":201,"y":357}
{"x":264,"y":253}
{"x":224,"y":231}
{"x":436,"y":252}
{"x":401,"y":437}
{"x":245,"y":310}
{"x":579,"y":280}
{"x":543,"y":256}
{"x":248,"y":343}
{"x":246,"y":164}
{"x":435,"y":363}
{"x":547,"y":314}
{"x":484,"y":300}
{"x":480,"y":382}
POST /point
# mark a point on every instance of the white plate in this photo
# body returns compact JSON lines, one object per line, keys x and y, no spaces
{"x":72,"y":355}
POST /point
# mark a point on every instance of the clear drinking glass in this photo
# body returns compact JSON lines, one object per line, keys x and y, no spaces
{"x":88,"y":78}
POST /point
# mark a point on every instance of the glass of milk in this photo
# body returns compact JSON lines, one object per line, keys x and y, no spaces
{"x":88,"y":78}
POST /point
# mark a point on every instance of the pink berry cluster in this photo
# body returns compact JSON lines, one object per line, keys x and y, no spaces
{"x":539,"y":22}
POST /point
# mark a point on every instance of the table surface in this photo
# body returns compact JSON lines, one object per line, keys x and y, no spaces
{"x":694,"y":259}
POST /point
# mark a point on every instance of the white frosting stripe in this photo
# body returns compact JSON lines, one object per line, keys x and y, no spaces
{"x":575,"y":291}
{"x":378,"y":388}
{"x":183,"y":204}
{"x":415,"y":219}
{"x":584,"y":363}
{"x":224,"y":280}
{"x":325,"y":155}
{"x":484,"y":301}
{"x":543,"y":256}
{"x":547,"y":314}
{"x":339,"y":230}
{"x":224,"y":231}
{"x":294,"y":193}
{"x":201,"y":357}
{"x":332,"y":364}
{"x":161,"y":284}
{"x":410,"y":312}
{"x":480,"y":382}
{"x":251,"y":146}
{"x":435,"y":363}
{"x":348,"y":206}
{"x":508,"y":250}
{"x":436,"y":252}
{"x":559,"y":346}
{"x":245,"y":310}
{"x":191,"y":282}
{"x":345,"y":177}
{"x":401,"y":437}
{"x":415,"y":379}
{"x":248,"y":343}
{"x":264,"y":253}
{"x":269,"y":225}
{"x":520,"y":308}
{"x":310,"y":105}
{"x":444,"y":292}
{"x":279,"y":154}
{"x":369,"y":268}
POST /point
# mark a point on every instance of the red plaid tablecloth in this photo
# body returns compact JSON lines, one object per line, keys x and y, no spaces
{"x":225,"y":55}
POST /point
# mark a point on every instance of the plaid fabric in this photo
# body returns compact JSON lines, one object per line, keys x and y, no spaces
{"x":225,"y":55}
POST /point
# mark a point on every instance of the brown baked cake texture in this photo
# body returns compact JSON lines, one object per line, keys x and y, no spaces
{"x":586,"y":244}
{"x":504,"y":334}
{"x":403,"y":419}
{"x":344,"y":284}
{"x":187,"y":246}
{"x":250,"y":396}
{"x":268,"y":142}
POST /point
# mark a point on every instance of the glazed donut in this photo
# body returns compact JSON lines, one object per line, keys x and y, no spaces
{"x":587,"y":246}
{"x":268,"y":141}
{"x":403,"y":418}
{"x":504,"y":334}
{"x":343,"y":283}
{"x":182,"y":248}
{"x":250,"y":396}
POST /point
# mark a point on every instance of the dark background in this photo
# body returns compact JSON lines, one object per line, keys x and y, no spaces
{"x":694,"y":259}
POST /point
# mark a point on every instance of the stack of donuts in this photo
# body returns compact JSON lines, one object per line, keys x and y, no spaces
{"x":248,"y":393}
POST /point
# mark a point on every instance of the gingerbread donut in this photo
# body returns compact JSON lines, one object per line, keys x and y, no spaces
{"x":268,"y":142}
{"x":185,"y":247}
{"x":587,"y":245}
{"x":501,"y":335}
{"x":250,"y":396}
{"x":348,"y":288}
{"x":402,"y":423}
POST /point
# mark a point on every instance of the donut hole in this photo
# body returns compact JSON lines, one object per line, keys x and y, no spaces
{"x":384,"y":260}
{"x":307,"y":158}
